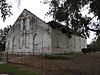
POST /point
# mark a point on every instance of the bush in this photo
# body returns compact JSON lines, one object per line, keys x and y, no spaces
{"x":98,"y":49}
{"x":92,"y":49}
{"x":85,"y":50}
{"x":88,"y":50}
{"x":54,"y":56}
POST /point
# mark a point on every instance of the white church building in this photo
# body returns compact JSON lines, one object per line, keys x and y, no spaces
{"x":29,"y":34}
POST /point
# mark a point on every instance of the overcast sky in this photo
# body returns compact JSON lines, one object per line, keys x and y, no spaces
{"x":37,"y":8}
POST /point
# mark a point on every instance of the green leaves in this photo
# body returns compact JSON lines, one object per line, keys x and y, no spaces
{"x":61,"y":15}
{"x":5,"y":9}
{"x":69,"y":11}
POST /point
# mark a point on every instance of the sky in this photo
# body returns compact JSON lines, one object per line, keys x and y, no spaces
{"x":35,"y":6}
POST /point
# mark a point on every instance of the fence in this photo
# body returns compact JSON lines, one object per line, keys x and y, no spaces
{"x":3,"y":56}
{"x":46,"y":65}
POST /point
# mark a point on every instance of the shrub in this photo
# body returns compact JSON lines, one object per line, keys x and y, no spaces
{"x":2,"y":47}
{"x":85,"y":50}
{"x":54,"y":56}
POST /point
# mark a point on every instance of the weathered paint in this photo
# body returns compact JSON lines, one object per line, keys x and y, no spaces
{"x":61,"y":43}
{"x":31,"y":35}
{"x":28,"y":35}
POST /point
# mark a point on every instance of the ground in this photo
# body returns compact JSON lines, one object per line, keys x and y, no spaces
{"x":73,"y":64}
{"x":10,"y":69}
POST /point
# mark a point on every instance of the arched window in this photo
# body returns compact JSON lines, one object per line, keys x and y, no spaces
{"x":27,"y":24}
{"x":24,"y":24}
{"x":27,"y":40}
{"x":21,"y":25}
{"x":8,"y":44}
{"x":35,"y":42}
{"x":57,"y":38}
{"x":74,"y":42}
{"x":13,"y":44}
{"x":67,"y":42}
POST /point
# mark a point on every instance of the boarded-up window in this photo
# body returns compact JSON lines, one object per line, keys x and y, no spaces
{"x":8,"y":44}
{"x":24,"y":24}
{"x":35,"y":43}
{"x":13,"y":44}
{"x":67,"y":42}
{"x":57,"y":39}
{"x":84,"y":43}
{"x":21,"y":41}
{"x":80,"y":42}
{"x":27,"y":39}
{"x":27,"y":24}
{"x":74,"y":42}
{"x":21,"y":25}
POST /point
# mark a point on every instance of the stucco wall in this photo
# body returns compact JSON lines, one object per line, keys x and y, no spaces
{"x":62,"y":43}
{"x":29,"y":34}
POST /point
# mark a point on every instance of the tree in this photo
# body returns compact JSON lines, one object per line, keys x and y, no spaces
{"x":69,"y":11}
{"x":5,"y":9}
{"x":3,"y":34}
{"x":95,"y":44}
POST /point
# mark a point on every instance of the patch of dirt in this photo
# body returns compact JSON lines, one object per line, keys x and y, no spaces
{"x":87,"y":64}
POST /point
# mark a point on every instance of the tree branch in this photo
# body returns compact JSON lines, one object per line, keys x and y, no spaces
{"x":93,"y":30}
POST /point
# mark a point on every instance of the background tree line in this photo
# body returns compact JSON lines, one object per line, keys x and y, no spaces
{"x":3,"y":33}
{"x":95,"y":43}
{"x":70,"y":12}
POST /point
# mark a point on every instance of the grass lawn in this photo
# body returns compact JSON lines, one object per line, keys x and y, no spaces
{"x":12,"y":70}
{"x":54,"y":64}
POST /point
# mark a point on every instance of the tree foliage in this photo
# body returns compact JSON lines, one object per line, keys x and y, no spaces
{"x":5,"y":9}
{"x":69,"y":11}
{"x":95,"y":43}
{"x":3,"y":33}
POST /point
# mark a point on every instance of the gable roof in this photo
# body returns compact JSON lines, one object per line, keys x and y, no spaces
{"x":25,"y":10}
{"x":21,"y":15}
{"x":55,"y":25}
